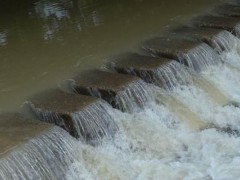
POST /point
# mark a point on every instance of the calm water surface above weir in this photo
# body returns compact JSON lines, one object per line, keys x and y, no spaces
{"x":44,"y":42}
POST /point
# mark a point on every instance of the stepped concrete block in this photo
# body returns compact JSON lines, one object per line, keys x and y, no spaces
{"x":173,"y":48}
{"x":56,"y":106}
{"x":142,"y":66}
{"x":169,"y":47}
{"x":16,"y":130}
{"x":206,"y":35}
{"x":231,"y":10}
{"x":227,"y":23}
{"x":103,"y":84}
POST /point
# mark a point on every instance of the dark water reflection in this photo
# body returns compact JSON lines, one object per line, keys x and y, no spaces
{"x":43,"y":42}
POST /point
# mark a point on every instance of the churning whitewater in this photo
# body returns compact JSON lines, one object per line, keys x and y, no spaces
{"x":188,"y":130}
{"x":157,"y":142}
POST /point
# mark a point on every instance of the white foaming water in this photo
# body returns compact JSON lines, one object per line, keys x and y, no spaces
{"x":153,"y":144}
{"x":225,"y":78}
{"x":228,"y":46}
{"x":202,"y":104}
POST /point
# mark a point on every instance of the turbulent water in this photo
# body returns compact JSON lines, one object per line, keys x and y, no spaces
{"x":156,"y":141}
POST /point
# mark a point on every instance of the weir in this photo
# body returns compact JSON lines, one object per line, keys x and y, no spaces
{"x":162,"y":72}
{"x":82,"y":116}
{"x":230,"y":24}
{"x":168,"y":119}
{"x":115,"y":88}
{"x":220,"y":40}
{"x":123,"y":92}
{"x":165,"y":73}
{"x":31,"y":149}
{"x":193,"y":54}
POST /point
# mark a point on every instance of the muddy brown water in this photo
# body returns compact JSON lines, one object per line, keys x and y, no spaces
{"x":44,"y":42}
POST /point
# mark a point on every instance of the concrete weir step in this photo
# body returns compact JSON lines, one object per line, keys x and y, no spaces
{"x":151,"y":69}
{"x":121,"y":91}
{"x":188,"y":52}
{"x":206,"y":35}
{"x":227,"y":9}
{"x":230,"y":24}
{"x":82,"y":116}
{"x":15,"y":130}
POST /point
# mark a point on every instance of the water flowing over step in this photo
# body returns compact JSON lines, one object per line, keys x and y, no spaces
{"x":147,"y":140}
{"x":220,"y":40}
{"x":82,"y":116}
{"x":230,"y":24}
{"x":162,"y":72}
{"x":165,"y":73}
{"x":31,"y":149}
{"x":180,"y":76}
{"x":123,"y":92}
{"x":193,"y":54}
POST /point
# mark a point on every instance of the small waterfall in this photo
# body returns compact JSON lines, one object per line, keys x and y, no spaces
{"x":228,"y":46}
{"x":166,"y":76}
{"x":47,"y":156}
{"x":172,"y":75}
{"x":225,"y":42}
{"x":135,"y":95}
{"x":90,"y":124}
{"x":200,"y":57}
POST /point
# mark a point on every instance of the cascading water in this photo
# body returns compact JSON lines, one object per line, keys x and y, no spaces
{"x":156,"y":140}
{"x":153,"y":143}
{"x":225,"y":42}
{"x":228,"y":46}
{"x":91,"y":124}
{"x":150,"y":144}
{"x":48,"y":156}
{"x":226,"y":75}
{"x":200,"y":58}
{"x":171,"y":75}
{"x":166,"y":76}
{"x":135,"y":94}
